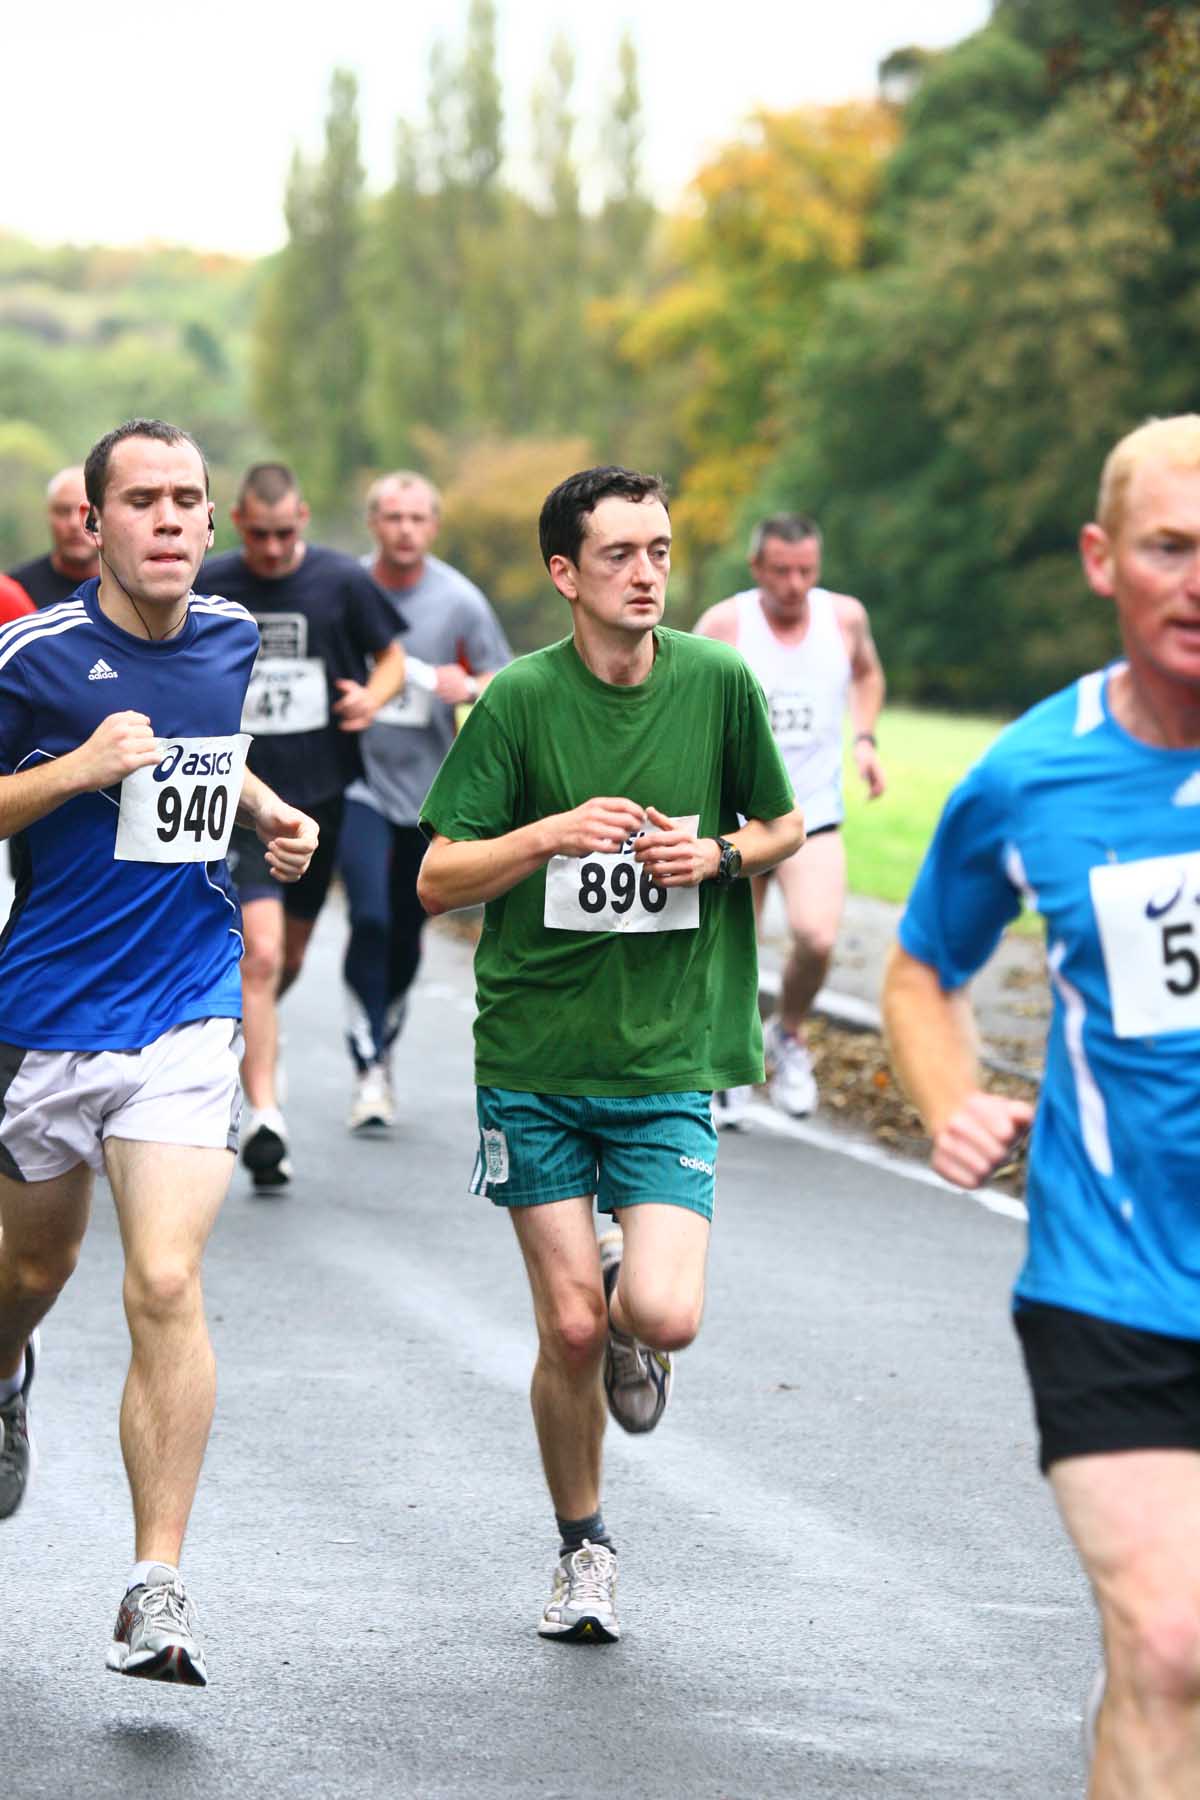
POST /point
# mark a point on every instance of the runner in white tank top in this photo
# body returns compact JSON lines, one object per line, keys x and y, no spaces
{"x":814,"y":654}
{"x":805,"y":685}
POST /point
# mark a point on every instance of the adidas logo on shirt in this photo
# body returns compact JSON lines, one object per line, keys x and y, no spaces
{"x":1188,"y":794}
{"x":100,"y":671}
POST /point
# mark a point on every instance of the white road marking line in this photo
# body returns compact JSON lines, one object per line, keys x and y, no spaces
{"x":821,"y":1139}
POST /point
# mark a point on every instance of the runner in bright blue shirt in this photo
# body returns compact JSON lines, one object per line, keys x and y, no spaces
{"x":122,"y":767}
{"x":1089,"y":808}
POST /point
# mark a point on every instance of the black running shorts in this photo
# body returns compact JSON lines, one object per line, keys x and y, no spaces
{"x":1100,"y":1387}
{"x":303,"y":899}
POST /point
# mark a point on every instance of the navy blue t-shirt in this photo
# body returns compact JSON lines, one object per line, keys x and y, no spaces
{"x":329,"y":609}
{"x":100,"y":954}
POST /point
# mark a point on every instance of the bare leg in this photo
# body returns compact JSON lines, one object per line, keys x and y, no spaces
{"x":296,"y":933}
{"x":41,"y":1229}
{"x":659,"y":1296}
{"x":1133,"y":1518}
{"x":167,"y":1199}
{"x":558,"y":1242}
{"x":262,"y":966}
{"x":814,"y":888}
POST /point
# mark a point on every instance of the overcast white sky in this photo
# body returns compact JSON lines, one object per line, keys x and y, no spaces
{"x":124,"y":121}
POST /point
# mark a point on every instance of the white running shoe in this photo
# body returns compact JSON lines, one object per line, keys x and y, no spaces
{"x":582,"y":1607}
{"x":372,"y":1106}
{"x":264,"y":1147}
{"x":155,"y":1634}
{"x":730,"y":1106}
{"x":793,"y":1085}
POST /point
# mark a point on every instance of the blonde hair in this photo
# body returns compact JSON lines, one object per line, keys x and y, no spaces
{"x":402,"y":478}
{"x":1174,"y":441}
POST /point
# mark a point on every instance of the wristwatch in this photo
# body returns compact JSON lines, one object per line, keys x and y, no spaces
{"x":730,"y":865}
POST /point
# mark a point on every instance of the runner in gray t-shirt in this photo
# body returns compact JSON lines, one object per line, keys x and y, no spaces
{"x":454,"y":644}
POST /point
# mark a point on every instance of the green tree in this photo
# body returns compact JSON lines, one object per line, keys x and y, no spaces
{"x":958,"y":406}
{"x":311,"y":341}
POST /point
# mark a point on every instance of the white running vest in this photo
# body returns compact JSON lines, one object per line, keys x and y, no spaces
{"x":806,"y":686}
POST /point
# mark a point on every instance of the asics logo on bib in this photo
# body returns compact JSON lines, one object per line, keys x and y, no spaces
{"x":199,"y":762}
{"x":694,"y":1162}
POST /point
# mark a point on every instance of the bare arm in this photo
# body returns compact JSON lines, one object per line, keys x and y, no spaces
{"x":676,"y":859}
{"x":868,"y":687}
{"x":289,"y":834}
{"x":933,"y":1045}
{"x":359,"y":703}
{"x":120,"y":744}
{"x":720,"y":622}
{"x":469,"y":871}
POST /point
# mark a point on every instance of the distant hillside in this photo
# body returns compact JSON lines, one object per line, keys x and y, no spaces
{"x":91,"y":336}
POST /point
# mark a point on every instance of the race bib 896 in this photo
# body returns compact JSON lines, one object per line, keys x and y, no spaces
{"x":1149,"y":918}
{"x":611,"y":891}
{"x":182,"y":808}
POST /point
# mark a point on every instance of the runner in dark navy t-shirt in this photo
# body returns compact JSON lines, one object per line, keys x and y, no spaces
{"x":322,"y":621}
{"x":121,"y":771}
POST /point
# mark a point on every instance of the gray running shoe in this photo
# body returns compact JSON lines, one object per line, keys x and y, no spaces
{"x":155,"y":1635}
{"x":637,"y":1380}
{"x":17,"y":1455}
{"x":582,"y":1606}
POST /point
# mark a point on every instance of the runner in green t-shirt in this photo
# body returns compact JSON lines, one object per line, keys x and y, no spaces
{"x":592,"y":801}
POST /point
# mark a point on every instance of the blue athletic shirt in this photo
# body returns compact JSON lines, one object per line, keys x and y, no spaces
{"x":99,"y":954}
{"x":1101,"y":834}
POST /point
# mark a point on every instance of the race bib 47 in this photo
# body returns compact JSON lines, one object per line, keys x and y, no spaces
{"x":182,"y":809}
{"x":611,"y":891}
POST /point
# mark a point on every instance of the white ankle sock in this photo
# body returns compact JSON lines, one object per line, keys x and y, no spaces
{"x":12,"y":1384}
{"x":140,"y":1570}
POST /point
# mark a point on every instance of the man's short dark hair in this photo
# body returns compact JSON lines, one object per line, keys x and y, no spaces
{"x":790,"y":528}
{"x":269,"y":482}
{"x":565,"y":509}
{"x":95,"y":469}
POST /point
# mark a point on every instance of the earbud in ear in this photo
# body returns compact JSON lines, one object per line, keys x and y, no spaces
{"x":91,"y":523}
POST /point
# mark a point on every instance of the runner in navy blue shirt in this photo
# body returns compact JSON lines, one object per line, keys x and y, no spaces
{"x":323,"y":622}
{"x":121,"y":772}
{"x":1089,"y":809}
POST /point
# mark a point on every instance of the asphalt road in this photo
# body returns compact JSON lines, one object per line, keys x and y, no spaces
{"x":840,"y":1572}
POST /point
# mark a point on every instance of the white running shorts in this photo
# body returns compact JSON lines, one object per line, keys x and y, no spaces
{"x":57,"y":1106}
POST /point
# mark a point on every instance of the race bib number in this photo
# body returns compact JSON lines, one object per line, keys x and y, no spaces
{"x":611,"y":891}
{"x":412,"y":706}
{"x":182,"y":809}
{"x":286,"y":694}
{"x":1149,"y":918}
{"x":791,"y":716}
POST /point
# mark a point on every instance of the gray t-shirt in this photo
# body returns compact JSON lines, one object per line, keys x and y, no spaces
{"x":448,"y":620}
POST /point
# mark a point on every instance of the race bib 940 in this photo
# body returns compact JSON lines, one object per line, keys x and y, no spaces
{"x":611,"y":891}
{"x":182,"y":808}
{"x":1148,"y":913}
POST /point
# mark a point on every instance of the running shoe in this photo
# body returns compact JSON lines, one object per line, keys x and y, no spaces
{"x":372,"y":1107}
{"x":730,"y":1106}
{"x":582,"y":1607}
{"x":637,"y":1380}
{"x":264,"y":1147}
{"x":155,"y":1635}
{"x":793,"y":1085}
{"x":17,"y":1455}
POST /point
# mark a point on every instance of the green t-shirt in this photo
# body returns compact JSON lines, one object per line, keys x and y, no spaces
{"x":613,"y":1011}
